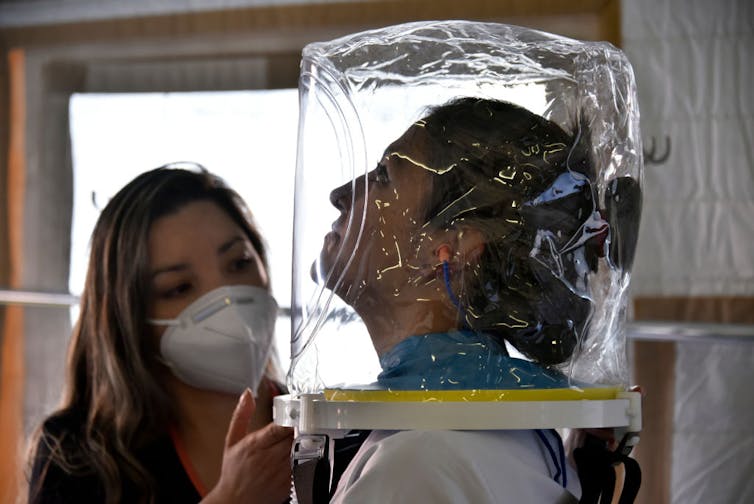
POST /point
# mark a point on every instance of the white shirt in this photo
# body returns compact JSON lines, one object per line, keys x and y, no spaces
{"x":454,"y":467}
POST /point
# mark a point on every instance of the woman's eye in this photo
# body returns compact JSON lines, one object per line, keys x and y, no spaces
{"x":176,"y":291}
{"x":241,"y":264}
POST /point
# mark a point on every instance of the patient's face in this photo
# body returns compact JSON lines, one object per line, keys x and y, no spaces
{"x":379,"y":229}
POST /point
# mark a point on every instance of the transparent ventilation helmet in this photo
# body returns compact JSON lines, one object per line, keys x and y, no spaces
{"x":466,"y":210}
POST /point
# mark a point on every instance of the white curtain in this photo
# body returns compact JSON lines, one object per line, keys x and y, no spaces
{"x":693,"y":64}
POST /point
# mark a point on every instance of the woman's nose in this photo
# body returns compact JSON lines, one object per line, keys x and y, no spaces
{"x":340,"y":195}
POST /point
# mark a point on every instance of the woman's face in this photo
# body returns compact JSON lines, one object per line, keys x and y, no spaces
{"x":193,"y":251}
{"x":390,"y":254}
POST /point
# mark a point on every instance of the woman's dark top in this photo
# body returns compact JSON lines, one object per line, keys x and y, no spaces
{"x":49,"y":483}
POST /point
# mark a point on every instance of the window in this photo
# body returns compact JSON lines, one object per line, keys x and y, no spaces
{"x":246,"y":137}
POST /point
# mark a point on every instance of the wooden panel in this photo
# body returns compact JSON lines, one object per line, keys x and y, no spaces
{"x":12,"y":358}
{"x":655,"y":373}
{"x":4,"y":120}
{"x":718,"y":309}
{"x":610,"y":22}
{"x":541,"y":14}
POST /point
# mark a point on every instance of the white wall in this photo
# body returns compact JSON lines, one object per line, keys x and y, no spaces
{"x":693,"y":64}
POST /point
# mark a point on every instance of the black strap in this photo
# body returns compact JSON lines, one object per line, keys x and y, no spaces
{"x":596,"y":468}
{"x":311,"y":465}
{"x":632,"y":480}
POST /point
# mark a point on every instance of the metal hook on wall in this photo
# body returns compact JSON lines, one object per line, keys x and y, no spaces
{"x":650,"y":157}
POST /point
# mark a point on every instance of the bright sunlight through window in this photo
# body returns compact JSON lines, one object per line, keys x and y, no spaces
{"x":246,"y":137}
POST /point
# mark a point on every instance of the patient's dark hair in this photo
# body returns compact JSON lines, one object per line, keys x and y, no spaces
{"x":525,"y":184}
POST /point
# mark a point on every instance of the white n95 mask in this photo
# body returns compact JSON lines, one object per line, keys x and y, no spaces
{"x":222,"y":340}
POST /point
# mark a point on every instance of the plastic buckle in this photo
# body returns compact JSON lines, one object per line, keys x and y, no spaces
{"x":309,"y":447}
{"x":310,"y":465}
{"x":627,"y":443}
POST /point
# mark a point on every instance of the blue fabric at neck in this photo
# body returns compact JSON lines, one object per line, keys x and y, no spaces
{"x":460,"y":360}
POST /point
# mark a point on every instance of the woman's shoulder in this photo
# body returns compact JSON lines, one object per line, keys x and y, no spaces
{"x":460,"y":443}
{"x":422,"y":466}
{"x":446,"y":466}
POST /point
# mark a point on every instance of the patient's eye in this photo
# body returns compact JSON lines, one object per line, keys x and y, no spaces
{"x":379,"y":174}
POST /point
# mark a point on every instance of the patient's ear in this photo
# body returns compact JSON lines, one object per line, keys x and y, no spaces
{"x":471,"y":243}
{"x":457,"y":246}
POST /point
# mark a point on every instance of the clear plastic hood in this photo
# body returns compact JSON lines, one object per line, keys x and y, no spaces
{"x":467,"y":207}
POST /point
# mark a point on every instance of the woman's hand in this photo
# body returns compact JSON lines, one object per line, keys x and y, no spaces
{"x":256,"y":464}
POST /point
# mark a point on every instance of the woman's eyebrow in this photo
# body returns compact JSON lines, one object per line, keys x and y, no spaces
{"x":183,"y":266}
{"x":229,"y":244}
{"x":170,"y":269}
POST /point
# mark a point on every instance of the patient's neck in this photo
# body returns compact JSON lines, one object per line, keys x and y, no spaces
{"x":390,"y":323}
